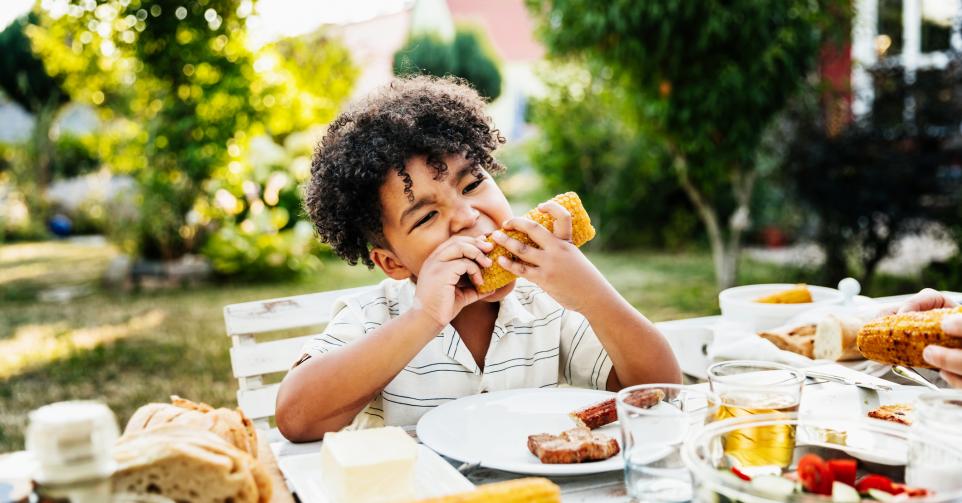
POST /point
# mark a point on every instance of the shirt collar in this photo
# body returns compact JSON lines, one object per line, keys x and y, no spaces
{"x":512,"y":310}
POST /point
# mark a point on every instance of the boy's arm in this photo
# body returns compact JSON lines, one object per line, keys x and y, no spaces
{"x":324,"y":393}
{"x":638,"y":350}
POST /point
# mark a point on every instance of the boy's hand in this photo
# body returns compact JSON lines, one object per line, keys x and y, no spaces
{"x":438,"y":293}
{"x":557,"y":265}
{"x":946,"y":359}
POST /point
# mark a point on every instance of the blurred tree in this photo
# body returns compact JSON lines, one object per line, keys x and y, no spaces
{"x":25,"y":81}
{"x":182,"y":72}
{"x":883,"y":177}
{"x":715,"y":75}
{"x":465,"y":57}
{"x":185,"y":98}
{"x":474,"y":62}
{"x":591,"y":144}
{"x":309,"y":78}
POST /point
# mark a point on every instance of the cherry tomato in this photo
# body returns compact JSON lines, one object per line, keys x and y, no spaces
{"x":911,"y":492}
{"x":843,"y":470}
{"x":815,"y":474}
{"x":873,"y":481}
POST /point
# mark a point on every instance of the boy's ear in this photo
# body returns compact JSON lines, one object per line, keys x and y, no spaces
{"x":389,"y":263}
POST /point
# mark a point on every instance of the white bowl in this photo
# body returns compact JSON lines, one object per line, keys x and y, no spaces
{"x":738,"y":304}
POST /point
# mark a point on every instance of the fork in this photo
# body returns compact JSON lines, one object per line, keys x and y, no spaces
{"x":913,"y":376}
{"x":847,"y":381}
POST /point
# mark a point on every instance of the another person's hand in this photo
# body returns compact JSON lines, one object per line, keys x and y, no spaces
{"x":948,"y":360}
{"x":556,"y":264}
{"x":438,"y":292}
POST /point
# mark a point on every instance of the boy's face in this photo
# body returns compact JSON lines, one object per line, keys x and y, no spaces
{"x":457,"y":205}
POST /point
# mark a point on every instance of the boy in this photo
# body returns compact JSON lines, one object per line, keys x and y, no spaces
{"x":403,"y":181}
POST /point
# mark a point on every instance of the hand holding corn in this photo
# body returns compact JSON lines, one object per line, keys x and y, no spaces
{"x":575,"y":227}
{"x":900,"y":339}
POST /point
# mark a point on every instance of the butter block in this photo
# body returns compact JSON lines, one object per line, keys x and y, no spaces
{"x":369,"y":466}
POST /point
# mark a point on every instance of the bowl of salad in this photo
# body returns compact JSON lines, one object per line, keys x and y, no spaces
{"x":783,"y":457}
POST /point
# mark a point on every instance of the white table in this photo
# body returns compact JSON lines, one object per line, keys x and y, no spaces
{"x":840,"y":399}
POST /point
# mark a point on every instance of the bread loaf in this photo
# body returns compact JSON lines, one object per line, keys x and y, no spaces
{"x":231,"y":425}
{"x":185,"y":463}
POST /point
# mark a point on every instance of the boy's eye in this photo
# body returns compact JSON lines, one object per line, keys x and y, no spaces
{"x":424,"y":219}
{"x":473,"y":185}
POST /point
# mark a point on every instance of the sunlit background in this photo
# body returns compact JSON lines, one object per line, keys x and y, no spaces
{"x":152,"y":154}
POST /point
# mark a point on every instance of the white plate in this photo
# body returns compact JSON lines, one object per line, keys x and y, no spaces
{"x":492,"y":429}
{"x":433,"y":476}
{"x":850,"y":401}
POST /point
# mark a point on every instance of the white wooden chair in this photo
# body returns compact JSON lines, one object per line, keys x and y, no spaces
{"x":252,"y":361}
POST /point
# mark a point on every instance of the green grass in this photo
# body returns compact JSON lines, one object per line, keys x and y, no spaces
{"x":129,"y":349}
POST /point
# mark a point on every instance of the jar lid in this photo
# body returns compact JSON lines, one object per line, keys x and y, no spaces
{"x":72,"y":441}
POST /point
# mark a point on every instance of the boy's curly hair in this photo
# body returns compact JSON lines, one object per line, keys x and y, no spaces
{"x":430,"y":116}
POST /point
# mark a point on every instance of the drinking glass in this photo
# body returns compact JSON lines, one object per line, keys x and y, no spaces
{"x":749,"y":388}
{"x":652,"y":432}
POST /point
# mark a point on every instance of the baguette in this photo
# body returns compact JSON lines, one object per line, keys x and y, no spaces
{"x":836,"y":338}
{"x":799,"y":340}
{"x":899,"y":339}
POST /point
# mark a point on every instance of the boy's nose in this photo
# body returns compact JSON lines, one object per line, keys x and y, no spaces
{"x":465,"y":218}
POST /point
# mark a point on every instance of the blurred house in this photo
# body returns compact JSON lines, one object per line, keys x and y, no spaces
{"x":915,"y":38}
{"x":505,"y":22}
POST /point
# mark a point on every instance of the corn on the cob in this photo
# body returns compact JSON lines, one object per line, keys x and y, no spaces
{"x":527,"y":490}
{"x":798,"y":294}
{"x":899,"y":339}
{"x":581,"y":232}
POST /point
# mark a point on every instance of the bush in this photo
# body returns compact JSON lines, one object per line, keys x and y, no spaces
{"x":253,"y":212}
{"x":590,"y":145}
{"x":73,"y":156}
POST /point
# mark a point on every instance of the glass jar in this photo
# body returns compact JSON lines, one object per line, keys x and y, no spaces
{"x":938,"y":421}
{"x":72,"y":443}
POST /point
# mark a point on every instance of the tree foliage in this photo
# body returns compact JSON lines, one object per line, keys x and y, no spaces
{"x":186,"y":97}
{"x":465,"y":57}
{"x":24,"y":79}
{"x":590,"y":144}
{"x":882,"y":177}
{"x":715,"y":74}
{"x":22,"y":75}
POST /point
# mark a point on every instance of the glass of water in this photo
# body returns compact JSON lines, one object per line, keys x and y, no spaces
{"x":655,"y":420}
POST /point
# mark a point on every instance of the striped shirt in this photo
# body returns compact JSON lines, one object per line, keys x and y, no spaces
{"x":536,"y":343}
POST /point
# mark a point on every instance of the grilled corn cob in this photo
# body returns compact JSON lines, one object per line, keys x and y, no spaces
{"x":527,"y":490}
{"x":798,"y":294}
{"x":581,"y":232}
{"x":899,"y":339}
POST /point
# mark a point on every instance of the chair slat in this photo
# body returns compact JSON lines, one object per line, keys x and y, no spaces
{"x":266,"y":357}
{"x":258,"y":403}
{"x":282,"y":313}
{"x":250,"y":360}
